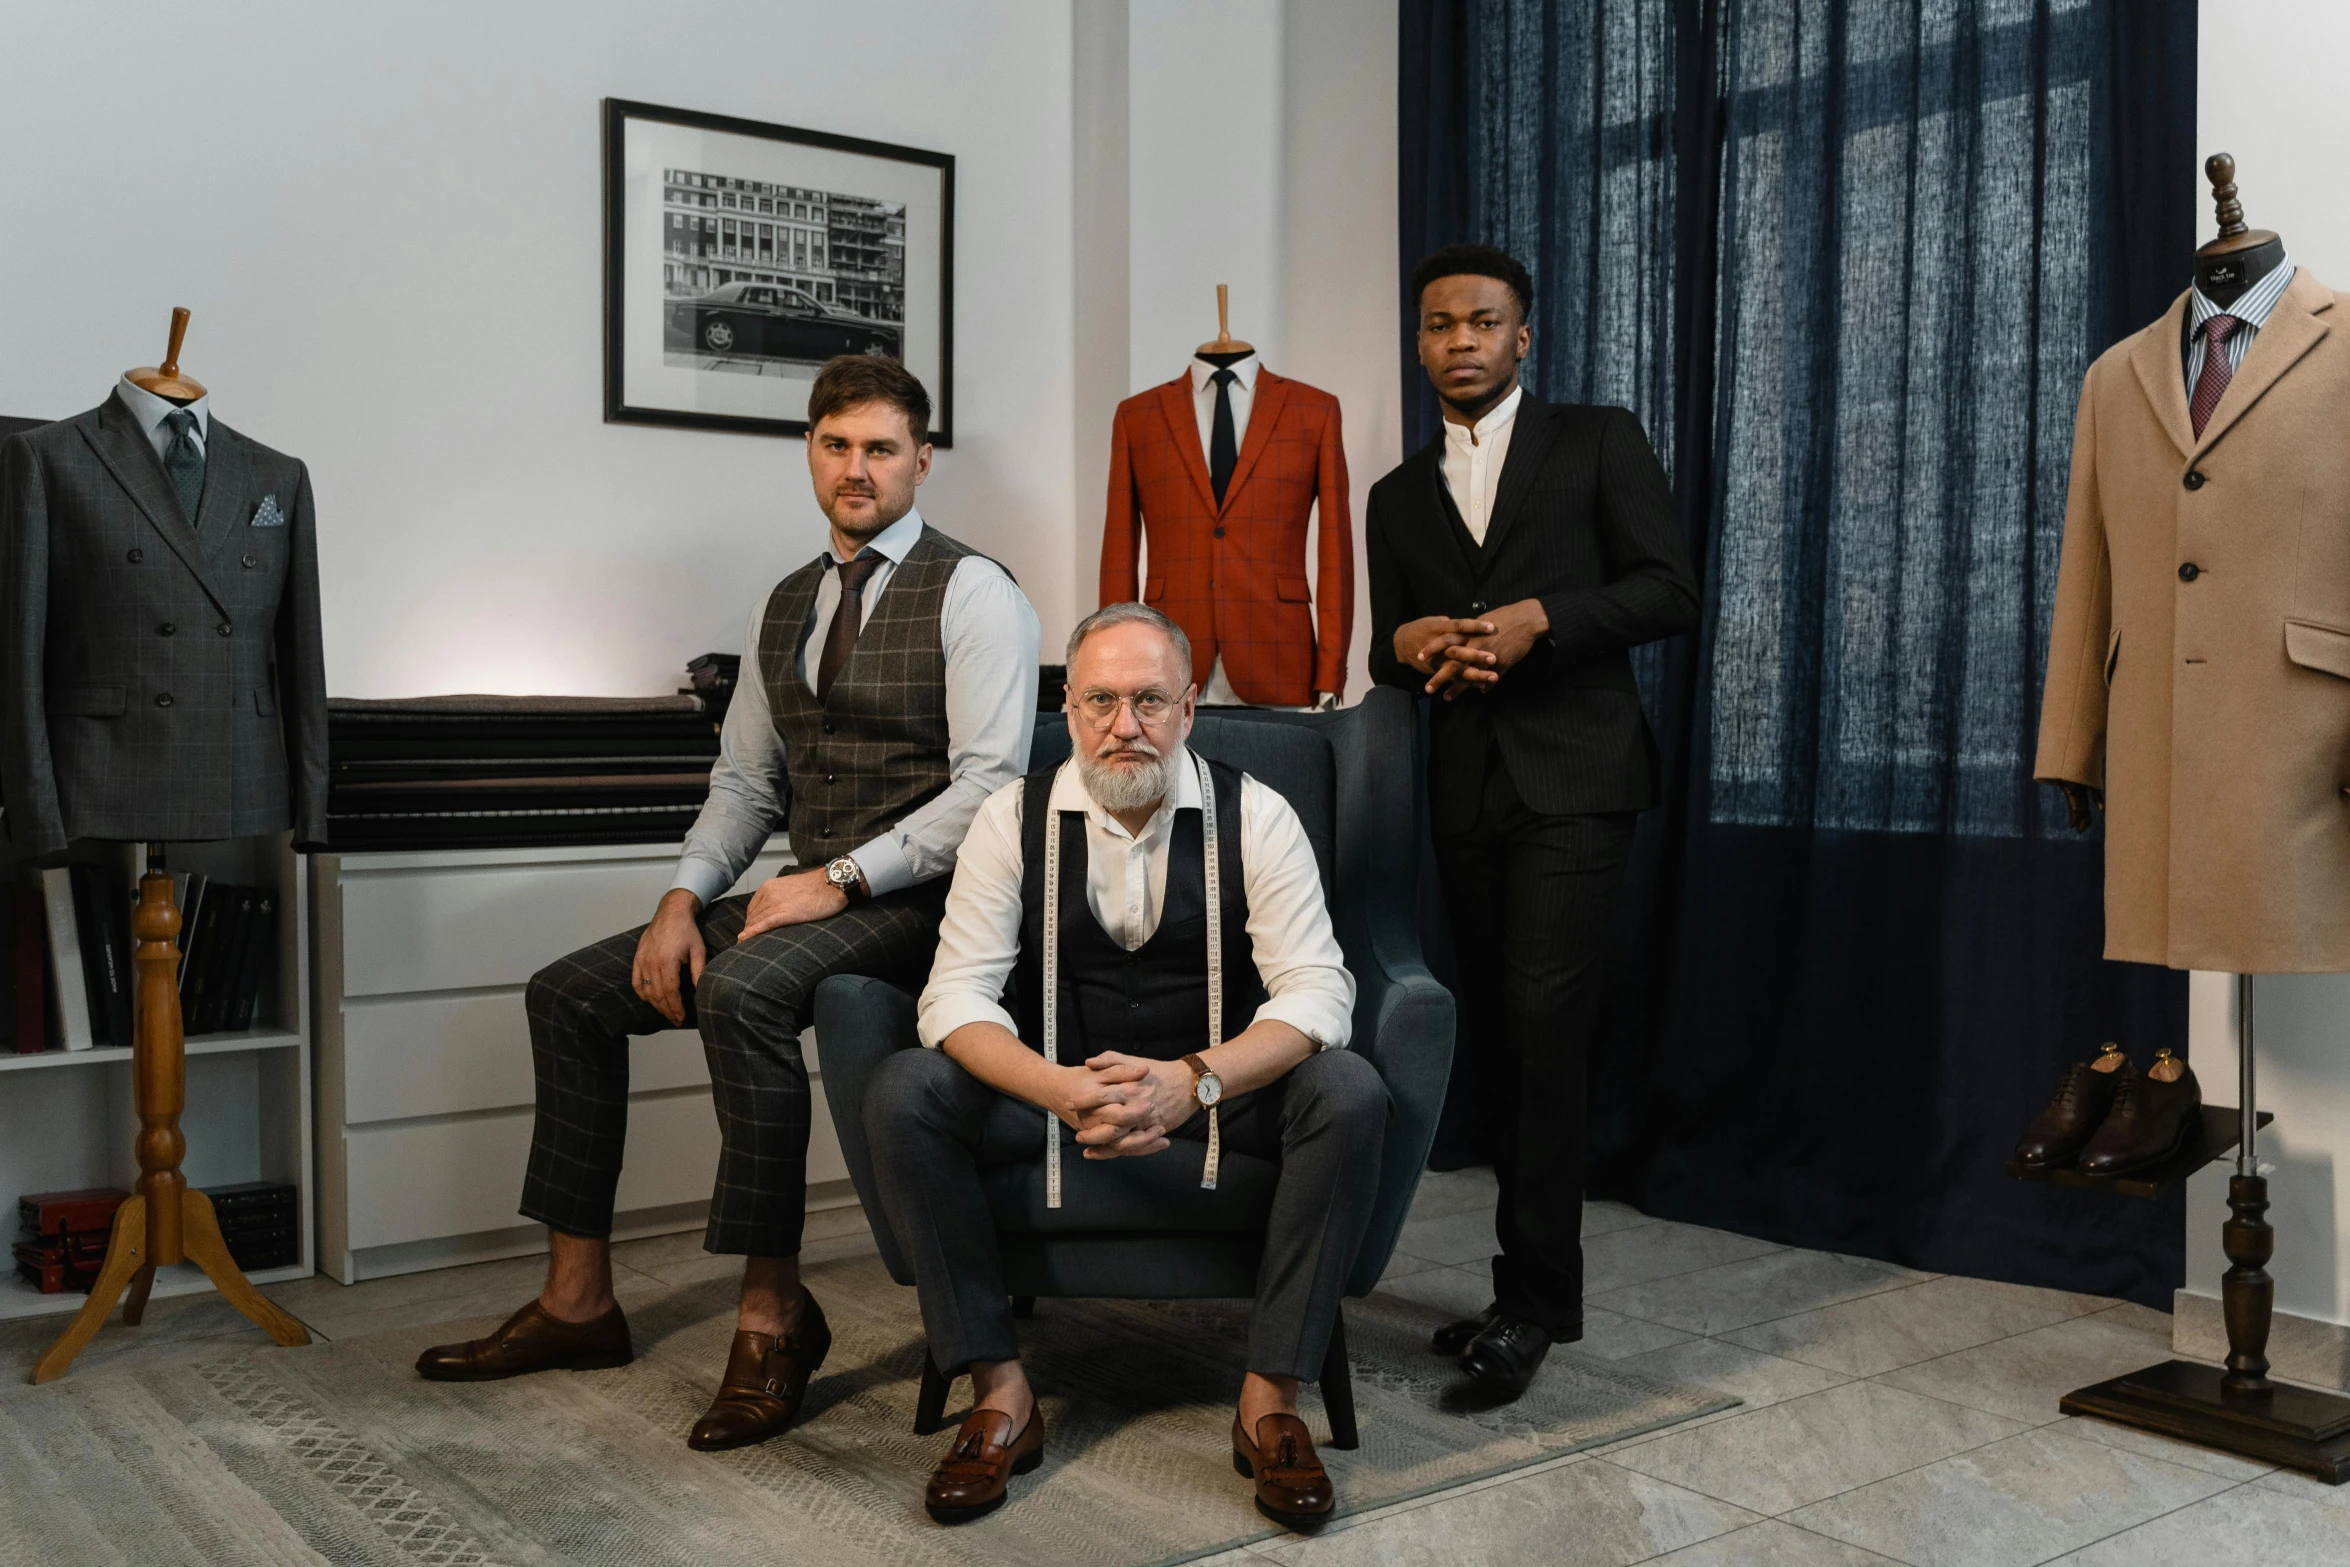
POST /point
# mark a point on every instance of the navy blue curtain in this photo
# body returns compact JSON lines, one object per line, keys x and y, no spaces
{"x":1848,"y":260}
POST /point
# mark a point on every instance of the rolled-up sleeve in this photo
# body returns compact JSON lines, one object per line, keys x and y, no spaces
{"x":1297,"y":953}
{"x":979,"y":939}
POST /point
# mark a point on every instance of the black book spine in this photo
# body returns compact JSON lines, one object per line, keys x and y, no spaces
{"x":259,"y":944}
{"x":203,"y":949}
{"x":102,"y":970}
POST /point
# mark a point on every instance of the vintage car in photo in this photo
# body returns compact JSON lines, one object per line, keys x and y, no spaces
{"x":773,"y":321}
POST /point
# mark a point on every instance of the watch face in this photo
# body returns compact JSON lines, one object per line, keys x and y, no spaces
{"x":1211,"y":1089}
{"x":841,"y":872}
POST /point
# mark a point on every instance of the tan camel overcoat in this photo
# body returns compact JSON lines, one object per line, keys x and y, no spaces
{"x":2199,"y":666}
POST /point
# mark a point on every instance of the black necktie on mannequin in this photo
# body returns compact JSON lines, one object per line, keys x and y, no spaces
{"x":848,"y":618}
{"x":1223,"y":449}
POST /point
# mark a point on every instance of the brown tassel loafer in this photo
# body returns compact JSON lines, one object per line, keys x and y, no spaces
{"x":2154,"y":1118}
{"x":1292,"y":1486}
{"x":528,"y":1341}
{"x":766,"y":1377}
{"x":2083,"y":1095}
{"x":971,"y":1480}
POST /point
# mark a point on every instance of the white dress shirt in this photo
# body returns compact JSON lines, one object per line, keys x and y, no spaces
{"x":151,"y":411}
{"x":1473,"y":455}
{"x":990,"y":634}
{"x":1296,"y":954}
{"x":1244,"y":397}
{"x":2251,"y":310}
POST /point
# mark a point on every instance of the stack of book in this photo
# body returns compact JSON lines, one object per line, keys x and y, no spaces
{"x":228,"y":948}
{"x":469,"y":772}
{"x":259,"y":1221}
{"x":80,"y":997}
{"x":63,"y":1244}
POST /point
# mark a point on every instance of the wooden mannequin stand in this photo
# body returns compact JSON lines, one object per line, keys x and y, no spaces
{"x":167,"y":1222}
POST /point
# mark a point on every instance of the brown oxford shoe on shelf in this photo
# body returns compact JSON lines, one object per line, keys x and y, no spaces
{"x":1292,"y":1486}
{"x":970,"y":1482}
{"x":2083,"y":1096}
{"x":766,"y":1377}
{"x":2154,"y":1116}
{"x":531,"y":1340}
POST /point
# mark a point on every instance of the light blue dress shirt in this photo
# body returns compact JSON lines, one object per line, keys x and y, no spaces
{"x":151,"y":411}
{"x":991,"y":638}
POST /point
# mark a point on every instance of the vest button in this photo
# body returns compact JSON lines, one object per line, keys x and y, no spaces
{"x":828,"y":777}
{"x":2194,"y":480}
{"x":2189,"y":572}
{"x":828,"y":726}
{"x":135,"y":556}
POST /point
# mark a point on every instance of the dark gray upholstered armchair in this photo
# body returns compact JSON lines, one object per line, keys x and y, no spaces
{"x":1141,"y":1229}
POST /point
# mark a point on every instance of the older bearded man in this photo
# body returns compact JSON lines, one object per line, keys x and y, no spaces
{"x":1134,"y":819}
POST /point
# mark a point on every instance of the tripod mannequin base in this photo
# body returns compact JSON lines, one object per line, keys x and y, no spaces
{"x":128,"y":1268}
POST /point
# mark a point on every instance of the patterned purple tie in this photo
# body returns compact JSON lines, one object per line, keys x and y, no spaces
{"x":2212,"y":384}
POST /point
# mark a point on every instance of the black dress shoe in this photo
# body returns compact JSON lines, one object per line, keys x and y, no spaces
{"x":1503,"y":1358}
{"x":2083,"y":1096}
{"x":1454,"y":1337}
{"x":2154,"y":1116}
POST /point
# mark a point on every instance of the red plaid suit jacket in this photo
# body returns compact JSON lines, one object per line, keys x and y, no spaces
{"x":1233,"y":576}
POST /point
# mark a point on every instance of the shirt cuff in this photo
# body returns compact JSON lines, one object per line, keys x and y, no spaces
{"x":704,"y":880}
{"x":884,"y":865}
{"x":942,"y":1016}
{"x":1313,"y":1017}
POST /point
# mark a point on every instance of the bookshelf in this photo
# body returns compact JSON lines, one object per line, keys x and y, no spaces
{"x":66,"y":1119}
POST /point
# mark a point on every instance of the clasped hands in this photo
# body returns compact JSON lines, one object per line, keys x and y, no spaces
{"x":1122,"y":1106}
{"x":1459,"y":655}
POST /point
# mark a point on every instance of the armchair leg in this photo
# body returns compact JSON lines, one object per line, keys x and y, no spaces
{"x":1338,"y":1393}
{"x":1024,"y":1306}
{"x":930,"y":1404}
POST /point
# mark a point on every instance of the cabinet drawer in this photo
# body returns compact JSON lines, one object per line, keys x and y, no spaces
{"x":437,"y":1055}
{"x":477,"y":927}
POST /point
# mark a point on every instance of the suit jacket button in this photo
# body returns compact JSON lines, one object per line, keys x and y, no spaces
{"x":828,"y":777}
{"x":135,"y":556}
{"x":2194,"y":480}
{"x":1219,"y":533}
{"x":167,"y":628}
{"x":2189,"y":572}
{"x":163,"y":699}
{"x":223,"y":628}
{"x":251,"y":560}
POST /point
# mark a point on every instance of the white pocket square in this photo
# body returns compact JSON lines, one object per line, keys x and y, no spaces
{"x":267,"y":515}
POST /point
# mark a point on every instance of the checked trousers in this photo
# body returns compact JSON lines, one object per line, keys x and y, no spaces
{"x":751,"y":1003}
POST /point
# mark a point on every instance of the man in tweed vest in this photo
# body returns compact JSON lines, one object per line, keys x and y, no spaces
{"x":887,"y":689}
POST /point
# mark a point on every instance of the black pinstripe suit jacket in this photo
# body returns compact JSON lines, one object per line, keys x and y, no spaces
{"x":1582,"y":520}
{"x":160,"y":681}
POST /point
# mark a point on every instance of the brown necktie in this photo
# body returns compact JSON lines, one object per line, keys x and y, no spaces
{"x":840,"y":639}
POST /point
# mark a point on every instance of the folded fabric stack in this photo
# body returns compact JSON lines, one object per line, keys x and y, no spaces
{"x":64,"y":1244}
{"x":452,"y":772}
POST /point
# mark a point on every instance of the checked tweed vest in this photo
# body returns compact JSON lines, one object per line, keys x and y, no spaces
{"x":1152,"y":1001}
{"x":876,"y":747}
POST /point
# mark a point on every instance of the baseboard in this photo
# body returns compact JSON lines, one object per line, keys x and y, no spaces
{"x":2300,"y":1349}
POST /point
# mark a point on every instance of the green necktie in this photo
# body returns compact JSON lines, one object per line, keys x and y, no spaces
{"x":184,"y":461}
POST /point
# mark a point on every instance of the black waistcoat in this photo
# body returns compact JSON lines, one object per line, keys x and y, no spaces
{"x":1152,"y":1001}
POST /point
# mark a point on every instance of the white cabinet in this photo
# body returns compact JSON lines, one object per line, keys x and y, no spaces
{"x":425,"y":1093}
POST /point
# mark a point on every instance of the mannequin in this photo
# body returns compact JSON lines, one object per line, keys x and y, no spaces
{"x":118,"y":529}
{"x":2206,"y":718}
{"x":1224,"y":467}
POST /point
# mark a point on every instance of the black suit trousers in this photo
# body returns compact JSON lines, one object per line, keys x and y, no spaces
{"x":1532,"y":898}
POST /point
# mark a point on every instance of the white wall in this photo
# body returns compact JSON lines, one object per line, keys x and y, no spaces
{"x":2283,"y":114}
{"x":387,"y":222}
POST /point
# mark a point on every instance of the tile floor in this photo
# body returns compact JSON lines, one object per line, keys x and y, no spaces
{"x":1889,"y":1416}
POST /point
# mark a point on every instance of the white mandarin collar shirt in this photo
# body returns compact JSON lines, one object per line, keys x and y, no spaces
{"x":1473,"y":458}
{"x":1296,"y":953}
{"x":151,"y":411}
{"x":1244,"y":398}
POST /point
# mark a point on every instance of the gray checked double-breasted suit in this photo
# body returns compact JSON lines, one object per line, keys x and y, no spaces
{"x":160,"y":680}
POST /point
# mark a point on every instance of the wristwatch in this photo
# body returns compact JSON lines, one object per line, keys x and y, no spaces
{"x":1209,"y":1087}
{"x":843,"y":873}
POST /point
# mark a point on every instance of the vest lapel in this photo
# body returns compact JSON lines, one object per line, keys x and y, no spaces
{"x":1272,"y":395}
{"x":1530,"y":437}
{"x":1183,"y":429}
{"x":122,"y":446}
{"x":2294,"y":328}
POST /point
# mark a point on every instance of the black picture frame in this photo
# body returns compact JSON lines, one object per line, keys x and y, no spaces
{"x":771,"y":376}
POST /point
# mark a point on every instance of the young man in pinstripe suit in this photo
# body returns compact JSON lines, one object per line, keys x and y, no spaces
{"x":887,"y":688}
{"x":1515,"y":562}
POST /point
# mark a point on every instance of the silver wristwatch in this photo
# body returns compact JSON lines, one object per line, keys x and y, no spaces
{"x":842,"y":873}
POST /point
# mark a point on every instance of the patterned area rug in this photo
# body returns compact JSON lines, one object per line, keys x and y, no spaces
{"x":339,"y":1453}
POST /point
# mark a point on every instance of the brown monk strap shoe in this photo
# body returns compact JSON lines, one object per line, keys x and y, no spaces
{"x":970,"y":1481}
{"x":1292,"y":1486}
{"x":766,"y":1377}
{"x":2083,"y":1095}
{"x":531,"y":1340}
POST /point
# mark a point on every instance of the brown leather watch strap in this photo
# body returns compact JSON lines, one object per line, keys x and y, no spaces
{"x":1198,"y":1067}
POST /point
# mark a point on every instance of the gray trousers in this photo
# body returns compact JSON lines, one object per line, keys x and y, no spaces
{"x":933,"y":1127}
{"x":750,"y":1006}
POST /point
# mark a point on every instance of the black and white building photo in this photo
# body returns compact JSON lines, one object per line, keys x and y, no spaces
{"x":755,"y":272}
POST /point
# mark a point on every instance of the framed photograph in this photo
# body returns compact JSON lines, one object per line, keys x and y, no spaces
{"x":739,"y":256}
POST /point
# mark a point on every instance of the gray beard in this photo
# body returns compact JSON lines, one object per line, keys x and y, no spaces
{"x":1116,"y":787}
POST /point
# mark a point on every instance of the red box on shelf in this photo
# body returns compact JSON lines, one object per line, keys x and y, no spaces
{"x":54,"y":1213}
